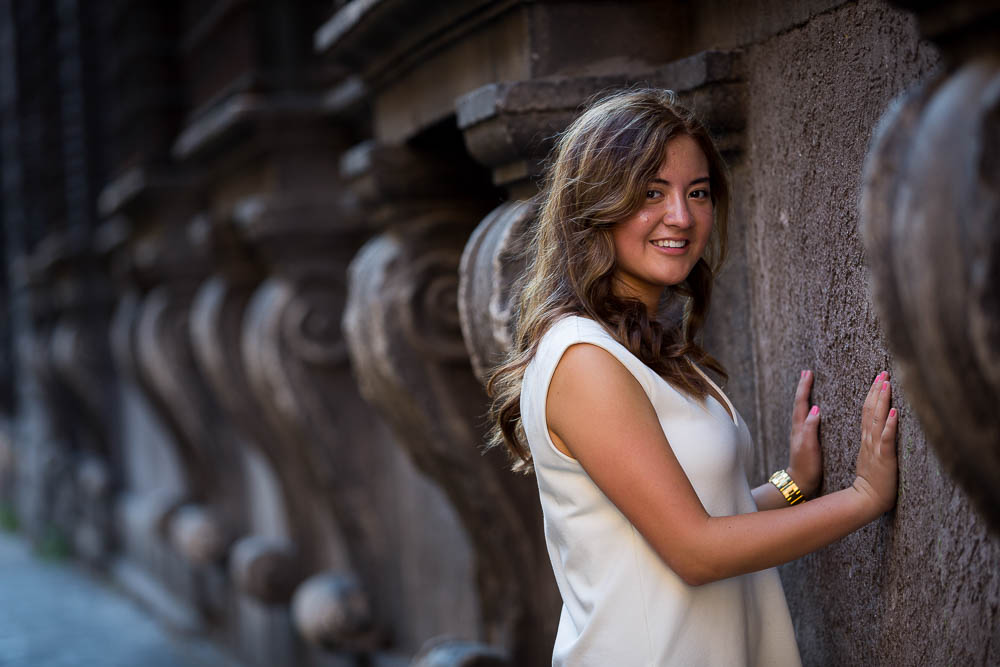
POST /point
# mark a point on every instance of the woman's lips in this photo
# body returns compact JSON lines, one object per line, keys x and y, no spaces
{"x":671,"y":249}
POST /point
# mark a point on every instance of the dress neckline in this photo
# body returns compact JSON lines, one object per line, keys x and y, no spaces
{"x":729,"y":404}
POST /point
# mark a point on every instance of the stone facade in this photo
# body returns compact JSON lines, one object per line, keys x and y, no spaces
{"x":259,"y":259}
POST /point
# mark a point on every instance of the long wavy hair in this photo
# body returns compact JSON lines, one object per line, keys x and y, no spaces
{"x":598,"y":174}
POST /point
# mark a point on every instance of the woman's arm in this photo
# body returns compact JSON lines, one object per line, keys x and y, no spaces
{"x":598,"y":413}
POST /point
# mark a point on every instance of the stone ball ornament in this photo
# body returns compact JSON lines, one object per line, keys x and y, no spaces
{"x":265,"y":568}
{"x":930,"y":223}
{"x":331,"y":610}
{"x":198,"y":534}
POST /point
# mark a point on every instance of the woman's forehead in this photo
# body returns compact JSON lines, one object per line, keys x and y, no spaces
{"x":682,"y":155}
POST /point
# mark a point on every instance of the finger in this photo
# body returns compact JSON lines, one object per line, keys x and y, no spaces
{"x":887,"y":443}
{"x":868,"y":409}
{"x":811,"y":428}
{"x":800,"y":408}
{"x":881,"y":408}
{"x":812,"y":419}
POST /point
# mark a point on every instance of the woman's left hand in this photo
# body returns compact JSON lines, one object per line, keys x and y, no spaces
{"x":805,"y":458}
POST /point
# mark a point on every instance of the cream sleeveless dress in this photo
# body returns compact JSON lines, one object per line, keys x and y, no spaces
{"x":622,"y":605}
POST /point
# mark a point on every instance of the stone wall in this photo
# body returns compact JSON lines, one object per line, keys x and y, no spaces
{"x":888,"y":593}
{"x":256,"y":281}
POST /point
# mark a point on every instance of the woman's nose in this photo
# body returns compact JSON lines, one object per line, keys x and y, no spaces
{"x":677,"y":213}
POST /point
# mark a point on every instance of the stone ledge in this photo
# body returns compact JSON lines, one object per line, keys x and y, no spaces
{"x":239,"y":112}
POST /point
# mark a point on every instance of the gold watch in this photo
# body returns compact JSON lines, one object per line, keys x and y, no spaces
{"x":789,"y":489}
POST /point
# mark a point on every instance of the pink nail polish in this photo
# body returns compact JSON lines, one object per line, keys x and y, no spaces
{"x":892,"y":413}
{"x":885,"y":385}
{"x":815,"y":410}
{"x":802,"y":374}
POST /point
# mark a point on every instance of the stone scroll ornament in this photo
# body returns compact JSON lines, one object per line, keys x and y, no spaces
{"x":491,"y":263}
{"x":290,"y":370}
{"x":295,"y":361}
{"x":930,"y":221}
{"x":266,"y":568}
{"x":297,"y":367}
{"x":203,"y":530}
{"x":402,"y":328}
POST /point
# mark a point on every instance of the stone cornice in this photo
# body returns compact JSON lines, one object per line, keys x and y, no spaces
{"x":374,"y":36}
{"x":243,"y":112}
{"x":510,"y":126}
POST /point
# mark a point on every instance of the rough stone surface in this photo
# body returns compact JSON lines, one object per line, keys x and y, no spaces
{"x":911,"y":588}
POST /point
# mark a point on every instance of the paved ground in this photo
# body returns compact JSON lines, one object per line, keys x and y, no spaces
{"x":53,"y":614}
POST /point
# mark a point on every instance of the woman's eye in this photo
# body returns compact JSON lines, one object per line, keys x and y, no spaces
{"x":652,"y":194}
{"x":700,"y":194}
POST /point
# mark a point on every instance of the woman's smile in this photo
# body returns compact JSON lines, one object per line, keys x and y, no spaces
{"x":671,"y":246}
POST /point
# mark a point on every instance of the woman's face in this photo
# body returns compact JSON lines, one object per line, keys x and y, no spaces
{"x":660,"y":244}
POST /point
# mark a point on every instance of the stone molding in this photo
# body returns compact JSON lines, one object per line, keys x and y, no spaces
{"x":512,"y":126}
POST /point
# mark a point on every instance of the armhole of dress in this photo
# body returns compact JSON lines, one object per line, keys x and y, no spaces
{"x":579,"y":339}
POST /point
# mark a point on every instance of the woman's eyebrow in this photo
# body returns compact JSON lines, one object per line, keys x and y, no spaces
{"x":703,"y":179}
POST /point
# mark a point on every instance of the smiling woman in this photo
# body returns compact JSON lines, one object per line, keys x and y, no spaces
{"x":662,"y":552}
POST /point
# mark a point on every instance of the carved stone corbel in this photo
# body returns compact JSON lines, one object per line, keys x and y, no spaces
{"x":492,"y":261}
{"x":165,"y":363}
{"x":402,"y":327}
{"x":295,"y":361}
{"x":71,"y":308}
{"x":406,"y":346}
{"x":929,"y":213}
{"x":219,"y":311}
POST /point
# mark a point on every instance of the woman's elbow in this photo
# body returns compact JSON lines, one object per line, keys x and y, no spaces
{"x":697,"y":573}
{"x":696,"y":578}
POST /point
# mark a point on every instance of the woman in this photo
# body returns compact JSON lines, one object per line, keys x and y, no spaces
{"x":661,"y":551}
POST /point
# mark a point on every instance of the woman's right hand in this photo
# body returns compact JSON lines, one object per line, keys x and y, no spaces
{"x":877,"y":472}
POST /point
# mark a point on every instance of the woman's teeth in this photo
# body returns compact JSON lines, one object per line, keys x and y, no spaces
{"x":670,"y":244}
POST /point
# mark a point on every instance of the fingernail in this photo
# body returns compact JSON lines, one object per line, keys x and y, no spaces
{"x":892,"y":413}
{"x":803,"y":374}
{"x":815,"y":410}
{"x":885,"y":385}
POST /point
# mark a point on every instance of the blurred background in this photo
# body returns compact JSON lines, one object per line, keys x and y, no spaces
{"x":258,"y":258}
